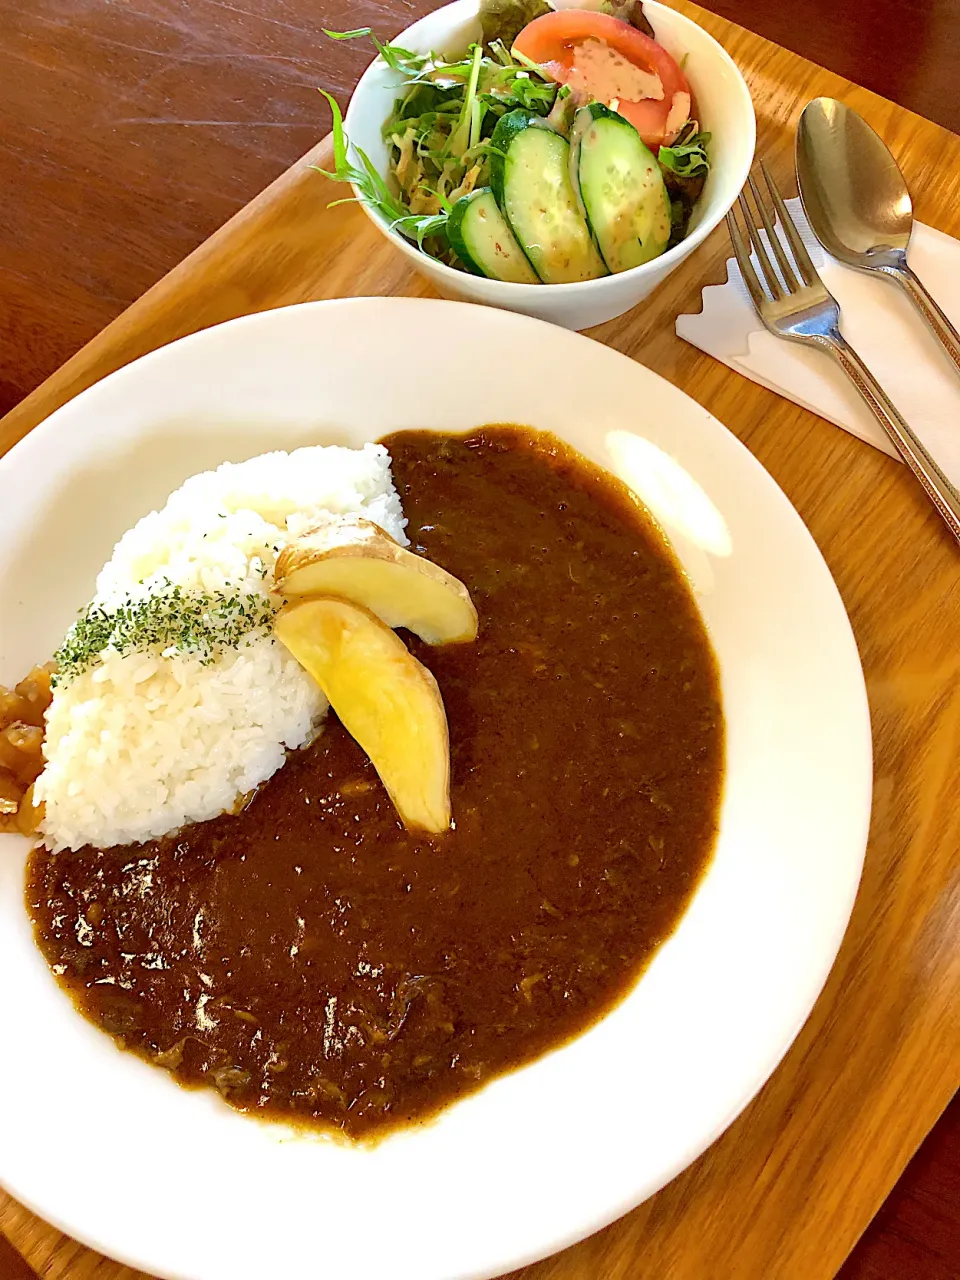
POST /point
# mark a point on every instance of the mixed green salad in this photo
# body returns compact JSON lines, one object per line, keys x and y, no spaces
{"x":560,"y":148}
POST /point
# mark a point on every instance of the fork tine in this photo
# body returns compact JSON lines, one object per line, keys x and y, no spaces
{"x":753,"y":231}
{"x":807,"y":269}
{"x":742,"y":255}
{"x":786,"y":270}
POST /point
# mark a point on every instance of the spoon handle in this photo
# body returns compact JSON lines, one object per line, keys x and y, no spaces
{"x":939,"y":324}
{"x":938,"y":487}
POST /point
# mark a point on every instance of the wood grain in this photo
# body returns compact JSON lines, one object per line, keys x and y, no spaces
{"x":788,"y":1189}
{"x":131,"y":129}
{"x":12,"y":1265}
{"x":914,"y":1236}
{"x":906,"y":50}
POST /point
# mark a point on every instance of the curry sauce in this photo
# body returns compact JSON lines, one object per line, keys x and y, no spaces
{"x":319,"y":964}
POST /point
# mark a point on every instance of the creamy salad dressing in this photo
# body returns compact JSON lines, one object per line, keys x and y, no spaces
{"x":604,"y":74}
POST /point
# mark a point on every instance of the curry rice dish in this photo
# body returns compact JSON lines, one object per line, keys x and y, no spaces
{"x":364,"y":940}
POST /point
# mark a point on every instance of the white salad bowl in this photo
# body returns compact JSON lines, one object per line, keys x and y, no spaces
{"x":724,"y":109}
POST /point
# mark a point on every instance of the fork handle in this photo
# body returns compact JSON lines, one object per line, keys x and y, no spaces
{"x":939,"y":489}
{"x":929,"y":309}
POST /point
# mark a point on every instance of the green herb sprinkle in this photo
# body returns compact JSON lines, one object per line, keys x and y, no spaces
{"x":184,"y":622}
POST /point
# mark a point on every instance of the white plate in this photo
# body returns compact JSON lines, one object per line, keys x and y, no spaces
{"x":113,"y":1151}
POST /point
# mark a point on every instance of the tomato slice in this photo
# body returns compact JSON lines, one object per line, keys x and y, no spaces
{"x":568,"y":45}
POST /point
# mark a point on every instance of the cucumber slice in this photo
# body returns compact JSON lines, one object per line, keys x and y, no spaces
{"x":620,"y":188}
{"x":530,"y":177}
{"x":483,"y":241}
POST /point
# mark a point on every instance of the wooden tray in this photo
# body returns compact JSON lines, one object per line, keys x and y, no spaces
{"x":792,"y":1184}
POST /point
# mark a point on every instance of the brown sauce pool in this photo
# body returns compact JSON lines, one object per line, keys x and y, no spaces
{"x":318,"y":964}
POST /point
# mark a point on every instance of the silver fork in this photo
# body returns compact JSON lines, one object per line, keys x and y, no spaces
{"x":797,"y":305}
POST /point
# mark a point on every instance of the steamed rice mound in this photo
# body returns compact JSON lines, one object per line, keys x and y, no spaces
{"x":141,"y":743}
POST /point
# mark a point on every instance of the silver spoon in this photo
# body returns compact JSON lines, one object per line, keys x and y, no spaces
{"x":858,"y":205}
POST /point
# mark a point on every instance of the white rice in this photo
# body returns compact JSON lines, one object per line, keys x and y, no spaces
{"x":141,"y":743}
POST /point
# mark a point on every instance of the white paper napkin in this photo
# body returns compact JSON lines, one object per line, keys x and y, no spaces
{"x":880,"y":323}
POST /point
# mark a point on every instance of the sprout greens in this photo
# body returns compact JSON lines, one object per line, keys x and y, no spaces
{"x":438,"y":134}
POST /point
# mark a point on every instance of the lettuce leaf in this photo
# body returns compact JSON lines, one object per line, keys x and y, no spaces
{"x":503,"y":20}
{"x":630,"y":11}
{"x":687,"y":157}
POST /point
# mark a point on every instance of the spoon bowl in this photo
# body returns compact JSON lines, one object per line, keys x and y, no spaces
{"x":858,"y":206}
{"x":852,"y":190}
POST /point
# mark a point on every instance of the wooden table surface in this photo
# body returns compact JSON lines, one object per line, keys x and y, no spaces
{"x":789,"y":1188}
{"x":131,"y":129}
